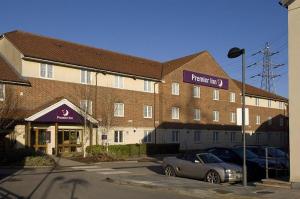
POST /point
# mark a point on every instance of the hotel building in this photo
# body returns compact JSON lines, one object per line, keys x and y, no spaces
{"x":57,"y":96}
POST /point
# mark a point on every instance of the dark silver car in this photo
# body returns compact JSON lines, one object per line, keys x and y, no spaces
{"x":203,"y":166}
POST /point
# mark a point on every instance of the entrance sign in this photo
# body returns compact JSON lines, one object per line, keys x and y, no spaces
{"x":205,"y":80}
{"x":62,"y":114}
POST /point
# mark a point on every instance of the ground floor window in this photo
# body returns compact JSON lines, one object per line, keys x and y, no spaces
{"x":232,"y":136}
{"x":118,"y":136}
{"x":197,"y":136}
{"x":147,"y":136}
{"x":215,"y":137}
{"x":175,"y":136}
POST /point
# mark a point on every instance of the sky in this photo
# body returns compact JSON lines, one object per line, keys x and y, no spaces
{"x":163,"y":29}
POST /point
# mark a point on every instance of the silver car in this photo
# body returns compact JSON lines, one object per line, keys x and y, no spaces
{"x":203,"y":166}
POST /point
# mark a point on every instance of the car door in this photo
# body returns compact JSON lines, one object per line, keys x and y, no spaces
{"x":192,"y":167}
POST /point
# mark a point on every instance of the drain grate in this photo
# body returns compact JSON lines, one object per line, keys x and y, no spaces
{"x":264,"y":192}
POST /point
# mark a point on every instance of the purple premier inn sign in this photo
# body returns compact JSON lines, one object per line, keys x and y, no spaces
{"x":205,"y":80}
{"x":62,"y":114}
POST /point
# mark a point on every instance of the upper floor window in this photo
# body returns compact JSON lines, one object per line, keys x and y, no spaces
{"x":2,"y":92}
{"x":119,"y":110}
{"x":232,"y":97}
{"x":197,"y":114}
{"x":119,"y":82}
{"x":147,"y":111}
{"x":258,"y":119}
{"x":216,"y":94}
{"x":281,"y":105}
{"x":269,"y":103}
{"x":147,"y":136}
{"x":46,"y":71}
{"x":256,"y":101}
{"x":232,"y":117}
{"x":147,"y":86}
{"x":85,"y":77}
{"x":196,"y":92}
{"x":175,"y":113}
{"x":215,"y":116}
{"x":86,"y":106}
{"x":175,"y":88}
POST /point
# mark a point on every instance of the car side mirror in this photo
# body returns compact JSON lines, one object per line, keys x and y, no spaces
{"x":196,"y":161}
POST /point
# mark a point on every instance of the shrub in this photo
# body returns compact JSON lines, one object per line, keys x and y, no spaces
{"x":39,"y":161}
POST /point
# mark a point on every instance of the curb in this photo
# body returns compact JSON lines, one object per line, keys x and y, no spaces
{"x":25,"y":167}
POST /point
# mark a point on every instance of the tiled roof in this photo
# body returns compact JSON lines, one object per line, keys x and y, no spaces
{"x":36,"y":46}
{"x":254,"y":91}
{"x":9,"y":75}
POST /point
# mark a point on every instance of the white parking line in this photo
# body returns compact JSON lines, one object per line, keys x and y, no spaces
{"x":99,"y":169}
{"x":85,"y":167}
{"x":113,"y":172}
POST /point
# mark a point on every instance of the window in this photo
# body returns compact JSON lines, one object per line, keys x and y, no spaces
{"x":216,"y":94}
{"x":197,"y":136}
{"x":269,"y":103}
{"x":147,"y":111}
{"x":232,"y":136}
{"x":2,"y":92}
{"x":147,"y":136}
{"x":232,"y":97}
{"x":256,"y":101}
{"x":175,"y":136}
{"x":175,"y":88}
{"x":197,"y":114}
{"x":175,"y":113}
{"x":147,"y":86}
{"x":86,"y":106}
{"x":119,"y":110}
{"x":281,"y":105}
{"x":119,"y":82}
{"x":196,"y":92}
{"x":281,"y":122}
{"x":85,"y":77}
{"x":232,"y":117}
{"x":215,"y":116}
{"x":269,"y":120}
{"x":258,"y":119}
{"x":215,"y":137}
{"x":118,"y":136}
{"x":46,"y":71}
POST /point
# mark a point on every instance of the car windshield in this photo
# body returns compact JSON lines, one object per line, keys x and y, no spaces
{"x":273,"y":152}
{"x":208,"y":158}
{"x":249,"y":154}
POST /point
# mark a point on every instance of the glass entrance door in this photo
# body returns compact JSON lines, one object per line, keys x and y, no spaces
{"x":39,"y":140}
{"x":69,"y":140}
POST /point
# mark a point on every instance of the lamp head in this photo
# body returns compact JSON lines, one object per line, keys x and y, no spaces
{"x":235,"y":52}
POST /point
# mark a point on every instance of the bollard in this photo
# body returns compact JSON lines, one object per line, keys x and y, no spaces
{"x":267,"y":163}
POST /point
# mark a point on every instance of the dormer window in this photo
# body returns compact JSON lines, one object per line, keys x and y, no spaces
{"x":46,"y":71}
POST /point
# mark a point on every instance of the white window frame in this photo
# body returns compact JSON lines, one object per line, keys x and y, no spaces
{"x":119,"y":112}
{"x":269,"y":103}
{"x":175,"y":113}
{"x":216,"y":94}
{"x":147,"y":86}
{"x":47,"y":66}
{"x":257,"y":119}
{"x":197,"y":136}
{"x":232,"y":97}
{"x":175,"y":136}
{"x":281,"y":105}
{"x":119,"y":82}
{"x":87,"y":106}
{"x":147,"y":111}
{"x":118,"y":136}
{"x":233,"y":117}
{"x":175,"y":88}
{"x":197,"y":114}
{"x":87,"y":75}
{"x":216,"y":135}
{"x":256,"y":101}
{"x":216,"y":116}
{"x":2,"y":90}
{"x":196,"y":92}
{"x":147,"y":136}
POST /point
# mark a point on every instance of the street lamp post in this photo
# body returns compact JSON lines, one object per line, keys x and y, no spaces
{"x":233,"y":53}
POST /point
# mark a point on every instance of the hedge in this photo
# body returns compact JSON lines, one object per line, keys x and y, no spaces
{"x":133,"y":150}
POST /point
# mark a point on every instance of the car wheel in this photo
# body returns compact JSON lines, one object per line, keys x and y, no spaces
{"x":169,"y":171}
{"x":213,"y":177}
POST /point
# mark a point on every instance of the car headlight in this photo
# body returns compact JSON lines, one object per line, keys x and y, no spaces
{"x":228,"y":171}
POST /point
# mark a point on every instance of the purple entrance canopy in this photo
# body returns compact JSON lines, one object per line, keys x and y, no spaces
{"x":62,"y":114}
